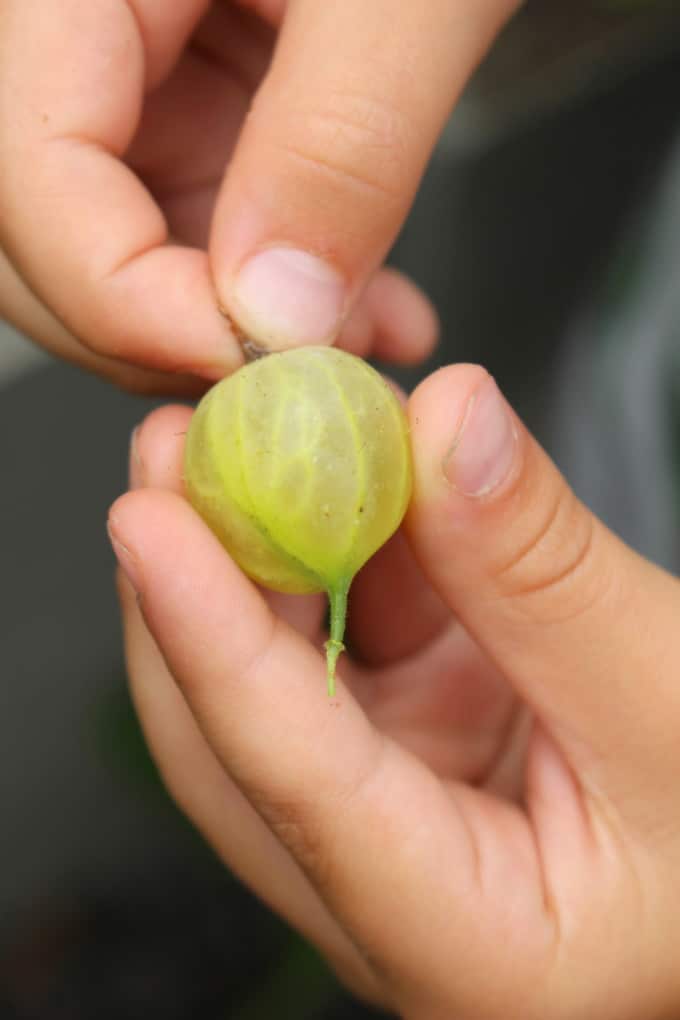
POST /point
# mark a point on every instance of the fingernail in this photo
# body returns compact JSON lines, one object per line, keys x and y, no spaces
{"x":135,"y":464}
{"x":125,"y":557}
{"x":484,"y":449}
{"x":283,"y":297}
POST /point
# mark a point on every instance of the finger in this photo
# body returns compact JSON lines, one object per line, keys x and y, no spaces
{"x":457,"y":718}
{"x":163,"y":30}
{"x":332,"y":154}
{"x":78,"y":225}
{"x":196,"y":780}
{"x":393,"y":321}
{"x":404,"y":316}
{"x":582,"y":626}
{"x":188,"y":129}
{"x":157,"y":449}
{"x":340,"y":798}
{"x":20,"y":307}
{"x":190,"y":123}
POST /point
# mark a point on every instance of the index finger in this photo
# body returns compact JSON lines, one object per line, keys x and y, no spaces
{"x":342,"y":798}
{"x":81,"y":229}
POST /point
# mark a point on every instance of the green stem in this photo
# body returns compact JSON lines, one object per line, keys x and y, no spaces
{"x":337,"y":596}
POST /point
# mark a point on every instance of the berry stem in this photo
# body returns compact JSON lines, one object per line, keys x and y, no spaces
{"x":337,"y":597}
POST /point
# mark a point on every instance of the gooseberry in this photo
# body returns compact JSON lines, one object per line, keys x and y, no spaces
{"x":300,"y":464}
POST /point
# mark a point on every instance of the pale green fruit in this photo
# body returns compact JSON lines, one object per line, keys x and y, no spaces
{"x":300,"y":463}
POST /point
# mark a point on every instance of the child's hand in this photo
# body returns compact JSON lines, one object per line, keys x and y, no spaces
{"x":486,"y":822}
{"x":129,"y":135}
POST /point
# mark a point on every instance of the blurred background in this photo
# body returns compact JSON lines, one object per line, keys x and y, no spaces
{"x":547,"y":232}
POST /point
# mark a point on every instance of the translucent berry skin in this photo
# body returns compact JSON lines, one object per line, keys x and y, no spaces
{"x":300,"y":463}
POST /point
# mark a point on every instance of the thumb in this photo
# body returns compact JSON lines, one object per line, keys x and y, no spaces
{"x":332,"y":153}
{"x":583,"y":627}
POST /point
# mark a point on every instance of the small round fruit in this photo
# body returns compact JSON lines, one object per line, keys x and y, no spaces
{"x":300,"y":463}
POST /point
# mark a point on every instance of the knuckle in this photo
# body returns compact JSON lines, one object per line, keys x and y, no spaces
{"x":552,"y":576}
{"x":292,"y":820}
{"x":307,"y":824}
{"x":352,"y":141}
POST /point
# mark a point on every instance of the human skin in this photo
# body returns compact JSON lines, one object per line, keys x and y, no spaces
{"x":177,"y":174}
{"x":486,"y":821}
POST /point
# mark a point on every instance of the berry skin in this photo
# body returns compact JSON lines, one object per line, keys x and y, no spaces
{"x":300,"y":463}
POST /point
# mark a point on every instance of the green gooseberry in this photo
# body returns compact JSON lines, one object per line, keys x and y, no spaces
{"x":300,"y":463}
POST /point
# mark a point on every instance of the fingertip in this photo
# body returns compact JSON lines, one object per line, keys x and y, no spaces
{"x":446,"y":384}
{"x":141,"y":518}
{"x":118,"y":509}
{"x":436,"y":411}
{"x":157,"y":449}
{"x":282,"y":297}
{"x":406,"y":323}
